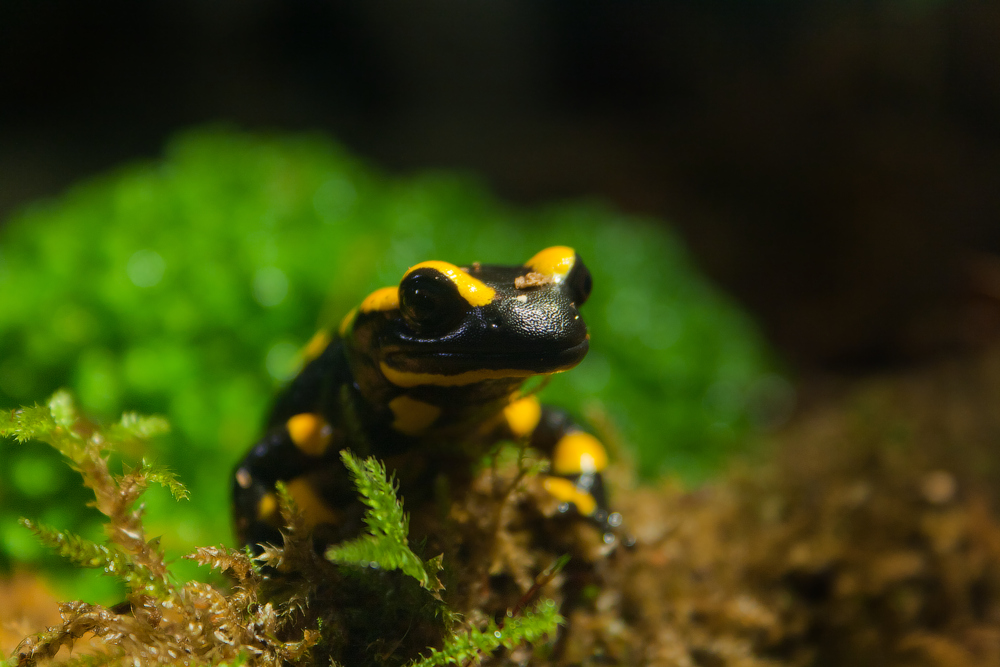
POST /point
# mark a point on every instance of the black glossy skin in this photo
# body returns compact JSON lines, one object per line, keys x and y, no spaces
{"x":434,"y":329}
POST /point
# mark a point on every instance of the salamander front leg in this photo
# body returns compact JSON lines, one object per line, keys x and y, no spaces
{"x":300,"y":453}
{"x":577,"y":457}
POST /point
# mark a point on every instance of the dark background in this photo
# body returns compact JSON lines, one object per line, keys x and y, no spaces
{"x":834,"y":165}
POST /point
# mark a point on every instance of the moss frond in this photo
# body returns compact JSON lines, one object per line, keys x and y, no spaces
{"x":194,"y":623}
{"x":147,"y":473}
{"x":297,"y":553}
{"x":386,"y":545}
{"x":79,"y":619}
{"x":90,"y":554}
{"x":224,"y":559}
{"x":298,"y":543}
{"x":28,"y":423}
{"x":378,"y":490}
{"x":472,"y":645}
{"x":272,"y":556}
{"x":133,"y":558}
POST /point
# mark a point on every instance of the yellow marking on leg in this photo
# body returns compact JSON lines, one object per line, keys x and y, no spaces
{"x":267,"y":507}
{"x":347,"y":322}
{"x":385,"y":298}
{"x":579,"y":453}
{"x":476,"y":292}
{"x":314,"y":510}
{"x":412,"y":417}
{"x":316,"y":345}
{"x":310,"y":433}
{"x":523,"y":416}
{"x":555,"y":262}
{"x":408,"y":379}
{"x":565,"y":491}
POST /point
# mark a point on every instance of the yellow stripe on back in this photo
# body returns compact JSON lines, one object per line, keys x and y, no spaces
{"x":522,"y":416}
{"x":385,"y":298}
{"x":408,"y":379}
{"x":555,"y":262}
{"x":579,"y":453}
{"x":412,"y":417}
{"x":476,"y":292}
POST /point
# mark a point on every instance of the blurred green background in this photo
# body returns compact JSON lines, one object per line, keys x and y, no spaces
{"x":186,"y":286}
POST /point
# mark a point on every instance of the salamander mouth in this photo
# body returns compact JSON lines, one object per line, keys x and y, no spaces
{"x":521,"y":362}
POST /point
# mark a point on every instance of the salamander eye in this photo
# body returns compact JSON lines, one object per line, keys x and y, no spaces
{"x":579,"y":283}
{"x":429,"y":302}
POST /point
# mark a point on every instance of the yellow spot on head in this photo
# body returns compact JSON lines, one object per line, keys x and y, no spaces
{"x":522,"y":416}
{"x":267,"y":507}
{"x":385,"y":298}
{"x":412,"y":417}
{"x":347,"y":322}
{"x":408,"y":379}
{"x":565,"y":491}
{"x":579,"y":453}
{"x":314,"y":509}
{"x":310,"y":433}
{"x":555,"y":262}
{"x":476,"y":292}
{"x":316,"y":345}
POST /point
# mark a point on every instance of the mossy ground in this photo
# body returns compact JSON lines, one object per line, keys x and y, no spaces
{"x":868,"y":537}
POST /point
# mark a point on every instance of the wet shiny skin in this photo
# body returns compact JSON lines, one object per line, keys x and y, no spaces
{"x":426,"y":369}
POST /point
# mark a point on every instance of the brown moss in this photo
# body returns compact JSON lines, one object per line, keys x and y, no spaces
{"x":870,"y":537}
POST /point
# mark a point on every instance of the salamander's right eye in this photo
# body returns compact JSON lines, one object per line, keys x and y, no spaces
{"x":430,"y":302}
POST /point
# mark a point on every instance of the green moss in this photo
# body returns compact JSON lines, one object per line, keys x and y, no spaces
{"x":308,"y":614}
{"x":386,"y":544}
{"x":181,"y":286}
{"x":468,"y":647}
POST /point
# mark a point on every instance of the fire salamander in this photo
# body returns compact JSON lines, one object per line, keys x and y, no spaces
{"x":420,"y":375}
